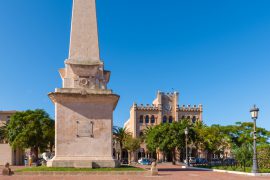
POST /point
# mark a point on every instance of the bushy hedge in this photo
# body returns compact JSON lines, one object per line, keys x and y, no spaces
{"x":264,"y":156}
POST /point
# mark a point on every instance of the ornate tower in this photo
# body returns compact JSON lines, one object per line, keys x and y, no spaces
{"x":84,"y":106}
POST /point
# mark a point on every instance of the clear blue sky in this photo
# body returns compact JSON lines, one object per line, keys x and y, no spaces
{"x":216,"y":53}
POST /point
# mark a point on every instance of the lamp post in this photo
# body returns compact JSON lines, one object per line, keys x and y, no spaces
{"x":186,"y":134}
{"x":254,"y":115}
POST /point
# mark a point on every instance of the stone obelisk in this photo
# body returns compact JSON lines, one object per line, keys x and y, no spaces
{"x":84,"y":106}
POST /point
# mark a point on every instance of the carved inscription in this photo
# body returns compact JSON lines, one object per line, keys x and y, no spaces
{"x":85,"y":129}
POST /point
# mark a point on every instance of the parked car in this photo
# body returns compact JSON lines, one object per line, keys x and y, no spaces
{"x":144,"y":161}
{"x":201,"y":161}
{"x":229,"y":162}
{"x":192,"y":160}
{"x":215,"y":162}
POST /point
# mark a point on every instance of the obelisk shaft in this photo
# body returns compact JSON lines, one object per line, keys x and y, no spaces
{"x":84,"y":46}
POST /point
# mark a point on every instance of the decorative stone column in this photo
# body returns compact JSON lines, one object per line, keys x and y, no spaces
{"x":84,"y":106}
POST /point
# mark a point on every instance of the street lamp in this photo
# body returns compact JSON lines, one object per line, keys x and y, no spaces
{"x":254,"y":115}
{"x":186,"y":133}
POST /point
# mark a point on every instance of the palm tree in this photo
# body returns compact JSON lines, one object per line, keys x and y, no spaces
{"x":120,"y":135}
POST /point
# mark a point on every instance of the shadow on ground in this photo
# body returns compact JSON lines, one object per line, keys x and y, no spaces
{"x":180,"y":169}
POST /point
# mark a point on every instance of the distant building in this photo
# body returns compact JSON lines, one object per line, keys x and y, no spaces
{"x":5,"y":116}
{"x":164,"y":109}
{"x":7,"y":154}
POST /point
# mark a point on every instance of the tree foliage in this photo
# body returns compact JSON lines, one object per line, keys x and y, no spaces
{"x":168,"y":137}
{"x":244,"y":154}
{"x":242,"y":133}
{"x":264,"y":156}
{"x":215,"y":139}
{"x":120,"y":135}
{"x":31,"y":129}
{"x":131,"y":144}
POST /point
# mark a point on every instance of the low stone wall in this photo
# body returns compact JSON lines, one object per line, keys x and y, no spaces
{"x":133,"y":173}
{"x":232,"y":172}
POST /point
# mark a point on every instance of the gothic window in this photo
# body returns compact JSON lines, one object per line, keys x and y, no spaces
{"x":141,"y":119}
{"x":164,"y":119}
{"x":153,"y":120}
{"x":170,"y":119}
{"x":147,"y":119}
{"x":194,"y":119}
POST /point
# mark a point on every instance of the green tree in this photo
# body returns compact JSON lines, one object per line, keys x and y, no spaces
{"x":244,"y":154}
{"x":215,"y":139}
{"x":242,"y":133}
{"x":132,"y":145}
{"x":264,"y":156}
{"x":152,"y":138}
{"x":31,"y":129}
{"x":145,"y":133}
{"x":120,"y":135}
{"x":166,"y":138}
{"x":199,"y":139}
{"x":212,"y":138}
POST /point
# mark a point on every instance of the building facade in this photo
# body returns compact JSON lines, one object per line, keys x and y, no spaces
{"x":5,"y":116}
{"x":7,"y":154}
{"x":164,"y":109}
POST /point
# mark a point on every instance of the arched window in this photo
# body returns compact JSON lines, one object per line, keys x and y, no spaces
{"x":183,"y":117}
{"x":164,"y":119}
{"x":170,"y":119}
{"x":194,"y":119}
{"x":147,"y":119}
{"x":141,"y":133}
{"x":141,"y":119}
{"x":153,"y":120}
{"x":188,"y":117}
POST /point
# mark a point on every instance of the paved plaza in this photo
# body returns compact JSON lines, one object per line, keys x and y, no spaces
{"x":166,"y":171}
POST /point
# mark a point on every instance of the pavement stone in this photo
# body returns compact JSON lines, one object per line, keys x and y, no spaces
{"x":166,"y":172}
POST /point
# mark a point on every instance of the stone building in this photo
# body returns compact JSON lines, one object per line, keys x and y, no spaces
{"x":164,"y":109}
{"x":7,"y":154}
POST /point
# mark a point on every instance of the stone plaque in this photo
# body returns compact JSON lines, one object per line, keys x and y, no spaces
{"x":85,"y":129}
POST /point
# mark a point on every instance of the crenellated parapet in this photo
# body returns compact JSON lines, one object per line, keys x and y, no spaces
{"x":154,"y":107}
{"x":190,"y":108}
{"x":146,"y":107}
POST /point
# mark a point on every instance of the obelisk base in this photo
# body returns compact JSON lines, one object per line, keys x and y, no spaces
{"x":71,"y":163}
{"x":83,"y":122}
